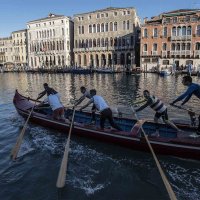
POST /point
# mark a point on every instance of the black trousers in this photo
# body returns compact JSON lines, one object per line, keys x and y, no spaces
{"x":107,"y":114}
{"x":198,"y":129}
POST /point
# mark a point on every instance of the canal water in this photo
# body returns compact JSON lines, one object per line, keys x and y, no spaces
{"x":96,"y":170}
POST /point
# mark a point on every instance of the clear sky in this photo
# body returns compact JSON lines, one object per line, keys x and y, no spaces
{"x":14,"y":14}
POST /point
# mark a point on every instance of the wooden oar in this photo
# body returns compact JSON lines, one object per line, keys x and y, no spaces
{"x":179,"y":107}
{"x":16,"y":148}
{"x":63,"y":168}
{"x":164,"y":178}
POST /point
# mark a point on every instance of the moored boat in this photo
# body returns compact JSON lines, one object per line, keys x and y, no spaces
{"x":168,"y":142}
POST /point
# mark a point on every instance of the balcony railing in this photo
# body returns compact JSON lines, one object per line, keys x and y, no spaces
{"x":154,"y":53}
{"x":183,"y":37}
{"x":144,"y":53}
{"x":164,"y":53}
{"x":183,"y":52}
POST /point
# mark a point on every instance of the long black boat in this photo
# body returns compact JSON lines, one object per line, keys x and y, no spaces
{"x":168,"y":143}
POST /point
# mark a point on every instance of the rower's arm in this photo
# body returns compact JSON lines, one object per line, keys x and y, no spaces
{"x":89,"y":102}
{"x":143,"y":106}
{"x":187,"y":94}
{"x":186,"y":99}
{"x":41,"y":94}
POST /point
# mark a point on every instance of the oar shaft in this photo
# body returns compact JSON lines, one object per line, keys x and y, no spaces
{"x":16,"y":148}
{"x":179,"y":107}
{"x":63,"y":168}
{"x":164,"y":178}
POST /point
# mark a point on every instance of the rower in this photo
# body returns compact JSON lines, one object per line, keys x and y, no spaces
{"x":86,"y":94}
{"x":193,"y":89}
{"x":161,"y":110}
{"x":103,"y":108}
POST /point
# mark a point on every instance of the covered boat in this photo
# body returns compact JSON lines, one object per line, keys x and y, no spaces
{"x":167,"y":143}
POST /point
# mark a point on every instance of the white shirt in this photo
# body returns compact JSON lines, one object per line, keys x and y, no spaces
{"x":54,"y":101}
{"x":99,"y":103}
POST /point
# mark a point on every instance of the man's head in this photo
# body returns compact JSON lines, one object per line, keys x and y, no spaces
{"x":146,"y":94}
{"x":93,"y":92}
{"x":83,"y":89}
{"x":45,"y":85}
{"x":187,"y":80}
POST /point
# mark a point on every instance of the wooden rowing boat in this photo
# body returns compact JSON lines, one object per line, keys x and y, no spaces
{"x":168,"y":143}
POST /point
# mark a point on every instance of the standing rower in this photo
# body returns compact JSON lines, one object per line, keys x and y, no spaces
{"x":158,"y":106}
{"x":193,"y":89}
{"x":103,"y":108}
{"x":86,"y":94}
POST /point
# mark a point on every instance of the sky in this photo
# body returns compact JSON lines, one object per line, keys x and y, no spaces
{"x":14,"y":14}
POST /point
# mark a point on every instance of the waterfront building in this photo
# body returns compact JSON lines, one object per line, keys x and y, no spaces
{"x":171,"y":39}
{"x":50,"y":42}
{"x":6,"y":61}
{"x":106,"y":38}
{"x":19,"y":49}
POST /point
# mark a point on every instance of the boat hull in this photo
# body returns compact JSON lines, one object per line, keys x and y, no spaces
{"x":176,"y":146}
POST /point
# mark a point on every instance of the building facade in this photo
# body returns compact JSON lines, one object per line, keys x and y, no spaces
{"x":172,"y":38}
{"x":6,"y":61}
{"x":19,"y":49}
{"x":106,"y":38}
{"x":50,"y":42}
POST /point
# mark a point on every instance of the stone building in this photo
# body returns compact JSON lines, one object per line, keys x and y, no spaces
{"x":171,"y":39}
{"x":50,"y":42}
{"x":106,"y":38}
{"x":19,"y":49}
{"x":6,"y":61}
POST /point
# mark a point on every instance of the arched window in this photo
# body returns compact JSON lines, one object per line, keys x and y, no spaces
{"x":102,"y":42}
{"x":90,"y":28}
{"x":94,"y":28}
{"x":189,"y":30}
{"x":127,"y":25}
{"x":145,"y":47}
{"x":90,"y":43}
{"x":102,"y":27}
{"x":183,"y":30}
{"x":155,"y":32}
{"x":173,"y":47}
{"x":164,"y":46}
{"x":111,"y":26}
{"x":98,"y":28}
{"x":98,"y":42}
{"x":124,"y":25}
{"x":145,"y":33}
{"x":155,"y":47}
{"x":165,"y":32}
{"x":188,"y":46}
{"x":106,"y":27}
{"x":183,"y":46}
{"x":94,"y":43}
{"x":115,"y":26}
{"x":174,"y":31}
{"x":111,"y":41}
{"x":179,"y":31}
{"x":198,"y":46}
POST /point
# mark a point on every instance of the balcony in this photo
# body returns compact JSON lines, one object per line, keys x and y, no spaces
{"x":164,"y":54}
{"x":144,"y":53}
{"x":154,"y":53}
{"x":183,"y":37}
